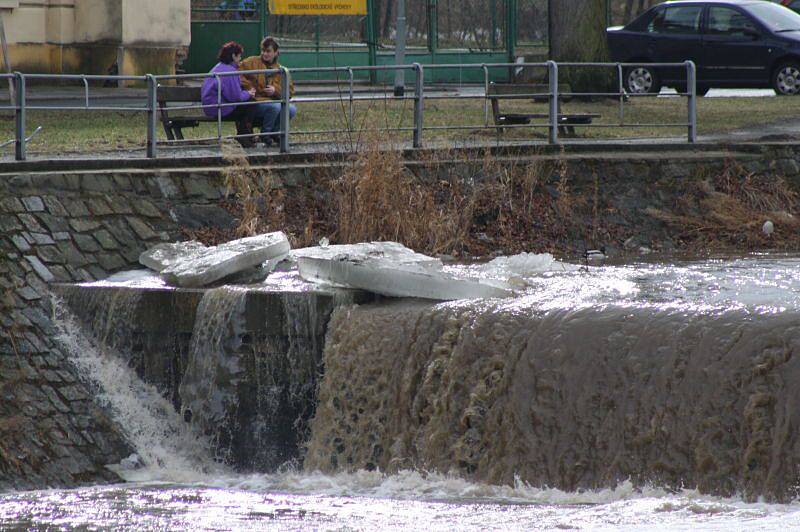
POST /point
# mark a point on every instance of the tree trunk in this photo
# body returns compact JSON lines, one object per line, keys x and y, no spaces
{"x":577,"y":33}
{"x":387,"y":20}
{"x":628,"y":11}
{"x":642,"y":5}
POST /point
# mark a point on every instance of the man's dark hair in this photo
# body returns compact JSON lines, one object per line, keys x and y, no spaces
{"x":269,"y":42}
{"x":228,"y":50}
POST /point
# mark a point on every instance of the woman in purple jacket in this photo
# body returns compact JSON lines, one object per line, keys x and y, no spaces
{"x":232,"y":92}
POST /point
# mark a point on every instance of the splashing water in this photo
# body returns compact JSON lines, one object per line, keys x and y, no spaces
{"x":370,"y":501}
{"x":168,"y":449}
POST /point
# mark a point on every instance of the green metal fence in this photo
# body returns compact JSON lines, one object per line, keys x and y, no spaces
{"x":439,"y":32}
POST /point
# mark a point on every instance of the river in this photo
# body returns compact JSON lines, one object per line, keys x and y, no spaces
{"x":173,"y":484}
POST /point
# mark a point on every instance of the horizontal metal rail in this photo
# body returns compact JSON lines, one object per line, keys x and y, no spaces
{"x":550,"y":94}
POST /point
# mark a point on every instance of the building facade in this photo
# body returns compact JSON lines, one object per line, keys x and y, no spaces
{"x":129,"y":37}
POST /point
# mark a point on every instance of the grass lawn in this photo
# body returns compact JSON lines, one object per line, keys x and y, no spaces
{"x":82,"y":131}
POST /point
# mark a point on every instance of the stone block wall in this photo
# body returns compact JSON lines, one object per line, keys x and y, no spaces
{"x":62,"y":228}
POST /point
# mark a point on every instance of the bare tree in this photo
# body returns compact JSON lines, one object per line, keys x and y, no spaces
{"x":578,"y":34}
{"x":628,"y":11}
{"x":387,"y":19}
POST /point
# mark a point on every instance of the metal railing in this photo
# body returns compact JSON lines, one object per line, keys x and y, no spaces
{"x":418,"y":96}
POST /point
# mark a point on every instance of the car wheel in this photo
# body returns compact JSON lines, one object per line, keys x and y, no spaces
{"x":642,"y":80}
{"x":786,"y":78}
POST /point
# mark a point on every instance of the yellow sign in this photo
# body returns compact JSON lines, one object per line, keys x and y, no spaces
{"x":318,"y":7}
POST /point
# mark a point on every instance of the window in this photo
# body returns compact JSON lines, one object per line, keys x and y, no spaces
{"x":725,"y":21}
{"x":773,"y":16}
{"x":683,"y":20}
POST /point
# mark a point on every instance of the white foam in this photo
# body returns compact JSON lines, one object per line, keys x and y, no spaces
{"x":131,"y":279}
{"x":164,"y":443}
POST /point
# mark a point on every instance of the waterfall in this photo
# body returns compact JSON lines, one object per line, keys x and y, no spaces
{"x":252,"y":372}
{"x":216,"y":366}
{"x":166,"y":447}
{"x":572,"y":398}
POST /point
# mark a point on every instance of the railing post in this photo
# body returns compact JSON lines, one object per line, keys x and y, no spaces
{"x":19,"y":123}
{"x":86,"y":88}
{"x":284,"y":142}
{"x":621,"y":94}
{"x":219,"y":111}
{"x":691,"y":84}
{"x":152,"y":140}
{"x":350,"y":113}
{"x":486,"y":92}
{"x":552,"y":75}
{"x":419,"y":99}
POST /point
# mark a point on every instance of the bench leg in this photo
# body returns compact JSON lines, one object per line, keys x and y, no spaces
{"x":168,"y":131}
{"x":178,"y":133}
{"x":567,"y":131}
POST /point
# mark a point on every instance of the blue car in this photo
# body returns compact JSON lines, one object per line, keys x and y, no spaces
{"x":734,"y":43}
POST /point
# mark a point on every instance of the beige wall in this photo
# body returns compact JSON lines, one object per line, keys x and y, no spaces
{"x":165,"y":22}
{"x":89,"y":35}
{"x":98,"y":21}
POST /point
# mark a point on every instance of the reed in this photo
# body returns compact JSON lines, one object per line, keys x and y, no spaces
{"x":727,"y":209}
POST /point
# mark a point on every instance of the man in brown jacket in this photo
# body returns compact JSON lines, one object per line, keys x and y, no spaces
{"x":268,"y":89}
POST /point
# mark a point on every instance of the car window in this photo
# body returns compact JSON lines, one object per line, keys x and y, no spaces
{"x":726,"y":21}
{"x":775,"y":17}
{"x":678,"y":19}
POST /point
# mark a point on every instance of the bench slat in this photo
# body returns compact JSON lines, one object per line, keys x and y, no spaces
{"x":178,"y":94}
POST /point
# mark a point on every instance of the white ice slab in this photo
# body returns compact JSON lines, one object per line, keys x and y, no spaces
{"x":214,"y":263}
{"x":392,"y":252}
{"x":389,"y":269}
{"x":525,"y":264}
{"x":163,"y":256}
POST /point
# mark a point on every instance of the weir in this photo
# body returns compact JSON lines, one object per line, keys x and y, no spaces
{"x":567,"y":393}
{"x":573,"y":398}
{"x":241,"y":365}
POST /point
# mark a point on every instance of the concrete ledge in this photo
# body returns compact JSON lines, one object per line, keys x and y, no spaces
{"x":578,"y":150}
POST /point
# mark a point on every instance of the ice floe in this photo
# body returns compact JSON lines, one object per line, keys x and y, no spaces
{"x":194,"y":265}
{"x":389,"y":269}
{"x":386,"y":268}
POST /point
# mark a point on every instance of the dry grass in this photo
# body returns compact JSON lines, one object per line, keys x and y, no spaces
{"x":454,"y":203}
{"x":728,"y":208}
{"x":377,"y":197}
{"x":446,"y":203}
{"x":451,"y":203}
{"x":252,"y":190}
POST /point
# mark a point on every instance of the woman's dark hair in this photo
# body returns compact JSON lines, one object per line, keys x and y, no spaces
{"x":269,"y":42}
{"x":228,"y":50}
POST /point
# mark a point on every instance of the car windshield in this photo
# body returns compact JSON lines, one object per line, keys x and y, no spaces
{"x":775,"y":17}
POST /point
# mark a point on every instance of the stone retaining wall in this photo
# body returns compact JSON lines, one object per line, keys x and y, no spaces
{"x":83,"y":226}
{"x":71,"y":228}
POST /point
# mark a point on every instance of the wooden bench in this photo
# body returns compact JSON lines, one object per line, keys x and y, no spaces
{"x":175,"y":120}
{"x":518,"y":91}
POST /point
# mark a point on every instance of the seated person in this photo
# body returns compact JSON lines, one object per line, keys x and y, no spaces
{"x":267,"y":89}
{"x":232,"y":92}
